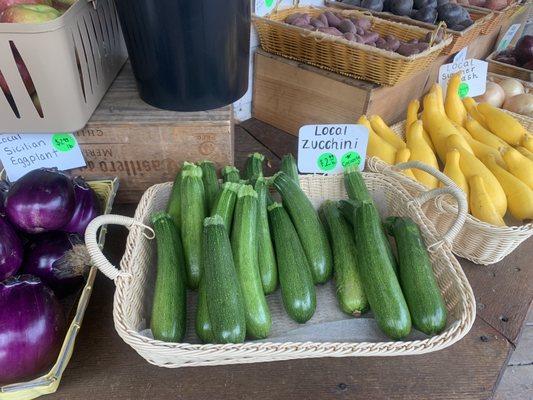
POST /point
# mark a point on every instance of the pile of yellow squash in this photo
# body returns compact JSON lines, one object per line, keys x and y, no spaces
{"x":483,"y":149}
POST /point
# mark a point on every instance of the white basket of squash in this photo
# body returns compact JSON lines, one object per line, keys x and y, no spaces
{"x":486,"y":151}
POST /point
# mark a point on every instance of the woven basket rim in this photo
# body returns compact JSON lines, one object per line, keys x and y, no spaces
{"x":426,"y":25}
{"x":262,"y":351}
{"x":333,"y":39}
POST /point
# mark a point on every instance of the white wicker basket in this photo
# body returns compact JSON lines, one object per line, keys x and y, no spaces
{"x":134,"y":281}
{"x":479,"y":242}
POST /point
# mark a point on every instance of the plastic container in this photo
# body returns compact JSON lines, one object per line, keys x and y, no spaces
{"x":188,"y":55}
{"x":71,"y":60}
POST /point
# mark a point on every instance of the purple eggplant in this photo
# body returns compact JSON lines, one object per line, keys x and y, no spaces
{"x":11,"y":251}
{"x":4,"y":188}
{"x":86,"y":207}
{"x":32,"y":327}
{"x":60,"y":260}
{"x":41,"y":201}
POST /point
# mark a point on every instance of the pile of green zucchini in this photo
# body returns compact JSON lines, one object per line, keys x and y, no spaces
{"x":234,"y":244}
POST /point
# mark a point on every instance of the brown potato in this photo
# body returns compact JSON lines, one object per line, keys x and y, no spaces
{"x":347,"y":26}
{"x":382,"y":44}
{"x":422,"y":46}
{"x":363,"y":23}
{"x":317,"y":23}
{"x":324,"y":20}
{"x":407,"y":49}
{"x":413,"y":41}
{"x":477,"y":3}
{"x":496,"y":5}
{"x":300,"y":22}
{"x":370,"y":37}
{"x":331,"y":31}
{"x":349,"y":36}
{"x":393,"y":42}
{"x":333,"y":20}
{"x":291,"y":18}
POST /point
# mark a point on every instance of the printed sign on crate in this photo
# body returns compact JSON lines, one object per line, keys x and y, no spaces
{"x":22,"y":153}
{"x":473,"y":76}
{"x":327,"y":149}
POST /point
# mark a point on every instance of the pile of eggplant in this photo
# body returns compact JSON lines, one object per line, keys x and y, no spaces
{"x":43,"y":260}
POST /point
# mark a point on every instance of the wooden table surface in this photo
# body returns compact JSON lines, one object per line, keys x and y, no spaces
{"x":104,"y":367}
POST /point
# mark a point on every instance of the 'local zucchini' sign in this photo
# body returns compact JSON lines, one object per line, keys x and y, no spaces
{"x":329,"y":149}
{"x":473,"y":76}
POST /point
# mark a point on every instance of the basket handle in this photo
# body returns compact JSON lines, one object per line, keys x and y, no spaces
{"x":451,"y":189}
{"x":435,"y":33}
{"x":98,"y":258}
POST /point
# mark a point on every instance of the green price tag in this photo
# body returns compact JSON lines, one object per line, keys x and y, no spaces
{"x":269,"y":3}
{"x":463,"y":89}
{"x":351,"y":158}
{"x":63,"y":142}
{"x":327,"y":161}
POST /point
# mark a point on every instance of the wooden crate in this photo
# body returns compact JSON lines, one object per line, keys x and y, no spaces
{"x":143,"y":145}
{"x":509,"y":70}
{"x":289,"y":94}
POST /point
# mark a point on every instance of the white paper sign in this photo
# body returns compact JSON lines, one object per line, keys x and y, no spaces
{"x":509,"y":35}
{"x":461,"y":55}
{"x":22,"y":153}
{"x":264,"y":7}
{"x":327,"y":149}
{"x":474,"y":76}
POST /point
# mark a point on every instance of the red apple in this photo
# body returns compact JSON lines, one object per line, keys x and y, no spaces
{"x":8,"y":3}
{"x":24,"y":74}
{"x":29,"y":14}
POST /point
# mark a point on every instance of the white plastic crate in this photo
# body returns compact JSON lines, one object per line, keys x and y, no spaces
{"x":71,"y":60}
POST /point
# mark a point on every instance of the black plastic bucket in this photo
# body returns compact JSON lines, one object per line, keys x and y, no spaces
{"x":188,"y":55}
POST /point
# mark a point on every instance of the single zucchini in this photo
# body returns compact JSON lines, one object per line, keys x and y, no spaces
{"x":266,"y":257}
{"x":193,"y":213}
{"x":350,"y":291}
{"x":420,"y":288}
{"x":225,"y":203}
{"x":203,"y":327}
{"x":297,"y":289}
{"x":355,"y":184}
{"x":169,"y":310}
{"x":289,"y":166}
{"x":254,"y":167}
{"x":377,"y":273}
{"x":348,"y":209}
{"x":225,"y":306}
{"x":174,"y":203}
{"x":307,"y":223}
{"x":230,"y":174}
{"x":211,"y":185}
{"x":245,"y":250}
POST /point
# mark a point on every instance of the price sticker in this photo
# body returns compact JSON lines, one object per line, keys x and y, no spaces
{"x":328,"y":149}
{"x":473,"y":76}
{"x":21,"y":153}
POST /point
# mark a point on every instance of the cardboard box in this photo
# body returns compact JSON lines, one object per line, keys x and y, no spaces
{"x":142,"y":145}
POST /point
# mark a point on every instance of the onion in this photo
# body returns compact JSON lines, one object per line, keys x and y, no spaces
{"x":512,"y":87}
{"x":494,"y":95}
{"x":85,"y":210}
{"x":41,"y":201}
{"x":520,"y":104}
{"x":60,"y":260}
{"x":32,"y":326}
{"x":11,"y":252}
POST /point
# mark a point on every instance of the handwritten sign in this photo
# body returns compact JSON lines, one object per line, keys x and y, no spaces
{"x":507,"y":37}
{"x":474,"y":76}
{"x":264,"y":7}
{"x":22,"y":153}
{"x":328,"y":149}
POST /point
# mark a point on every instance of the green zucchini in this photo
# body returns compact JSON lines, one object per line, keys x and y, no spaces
{"x":203,"y":327}
{"x":266,"y":256}
{"x":174,"y":203}
{"x":420,"y":288}
{"x":348,"y":209}
{"x":297,"y":289}
{"x":377,"y":273}
{"x":169,"y":309}
{"x":307,"y":223}
{"x":225,"y":306}
{"x":355,"y":184}
{"x":230,"y":174}
{"x":225,"y":203}
{"x":211,"y":185}
{"x":193,"y":213}
{"x":254,"y":167}
{"x":245,"y":252}
{"x":288,"y":165}
{"x":350,"y":291}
